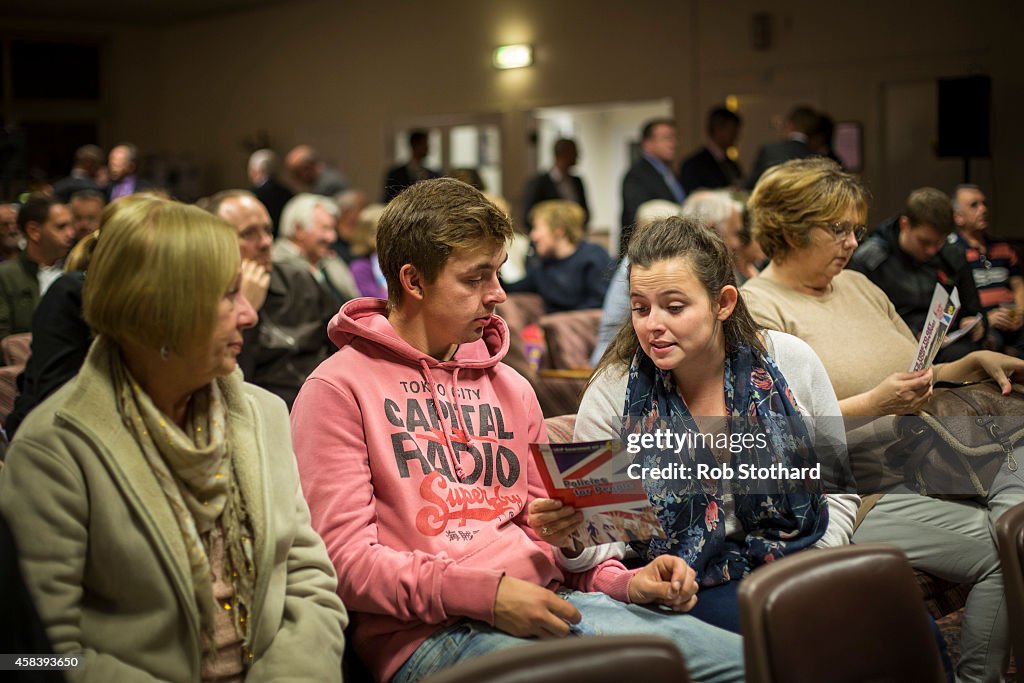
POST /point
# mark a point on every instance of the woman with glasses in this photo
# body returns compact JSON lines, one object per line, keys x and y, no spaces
{"x":808,"y":216}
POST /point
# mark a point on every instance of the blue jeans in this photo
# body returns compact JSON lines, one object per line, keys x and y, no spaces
{"x":712,"y":655}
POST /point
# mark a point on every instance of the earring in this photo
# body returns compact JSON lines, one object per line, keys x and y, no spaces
{"x":165,"y":353}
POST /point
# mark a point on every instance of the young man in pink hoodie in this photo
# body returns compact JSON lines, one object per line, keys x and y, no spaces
{"x":412,"y":443}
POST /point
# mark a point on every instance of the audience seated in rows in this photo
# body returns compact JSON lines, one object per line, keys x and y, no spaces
{"x":569,"y":272}
{"x":807,"y":215}
{"x":417,"y":476}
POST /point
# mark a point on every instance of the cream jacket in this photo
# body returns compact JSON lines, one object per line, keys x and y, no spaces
{"x":104,"y":559}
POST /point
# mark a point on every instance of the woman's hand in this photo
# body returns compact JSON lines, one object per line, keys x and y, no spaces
{"x":902,"y":393}
{"x":981,"y":365}
{"x":666,"y":579}
{"x":553,"y":521}
{"x":255,"y":281}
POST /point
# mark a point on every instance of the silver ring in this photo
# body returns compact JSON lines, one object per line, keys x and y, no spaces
{"x":546,"y":531}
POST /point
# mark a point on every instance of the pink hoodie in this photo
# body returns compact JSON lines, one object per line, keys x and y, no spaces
{"x":418,"y":477}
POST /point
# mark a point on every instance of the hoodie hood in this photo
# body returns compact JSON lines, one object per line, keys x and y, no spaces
{"x":366,"y":319}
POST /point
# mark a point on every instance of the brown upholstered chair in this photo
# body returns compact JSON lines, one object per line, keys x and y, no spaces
{"x":558,"y":382}
{"x":1010,"y":537}
{"x":16,"y":348}
{"x":597,"y":659}
{"x":843,"y":615}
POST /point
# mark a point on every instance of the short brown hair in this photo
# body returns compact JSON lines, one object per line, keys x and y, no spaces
{"x":429,"y":221}
{"x":929,"y":206}
{"x":561,"y":213}
{"x":791,"y":198}
{"x":158,"y":273}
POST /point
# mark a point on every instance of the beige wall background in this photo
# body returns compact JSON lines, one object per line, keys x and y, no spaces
{"x":339,"y":74}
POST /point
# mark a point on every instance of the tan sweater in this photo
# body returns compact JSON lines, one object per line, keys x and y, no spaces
{"x":854,"y":328}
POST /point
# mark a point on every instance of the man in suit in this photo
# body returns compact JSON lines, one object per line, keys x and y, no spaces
{"x":558,"y":183}
{"x":800,"y":123}
{"x":709,"y":168}
{"x":122,"y":165}
{"x":651,"y":176}
{"x":272,"y":194}
{"x":88,"y":160}
{"x":305,"y":236}
{"x":413,"y":171}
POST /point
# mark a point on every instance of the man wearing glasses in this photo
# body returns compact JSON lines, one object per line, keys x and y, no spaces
{"x":909,"y":253}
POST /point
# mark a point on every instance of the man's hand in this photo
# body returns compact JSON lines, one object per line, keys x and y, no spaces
{"x":553,"y":522}
{"x":529,"y":611}
{"x":1005,"y":319}
{"x":666,"y":579}
{"x":255,"y":282}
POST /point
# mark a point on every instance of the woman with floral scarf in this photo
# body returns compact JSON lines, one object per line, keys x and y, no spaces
{"x":691,"y":361}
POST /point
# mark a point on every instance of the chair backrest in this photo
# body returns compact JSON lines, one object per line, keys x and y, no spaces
{"x":842,"y":615}
{"x":590,"y":659}
{"x":1010,"y":537}
{"x":571,"y":337}
{"x":16,"y":348}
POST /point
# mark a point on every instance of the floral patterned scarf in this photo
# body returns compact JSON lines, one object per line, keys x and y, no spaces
{"x":791,"y":517}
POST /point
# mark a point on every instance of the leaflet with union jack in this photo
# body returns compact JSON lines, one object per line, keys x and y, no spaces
{"x":592,"y":477}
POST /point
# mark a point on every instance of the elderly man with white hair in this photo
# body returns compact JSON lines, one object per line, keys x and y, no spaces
{"x":307,"y":231}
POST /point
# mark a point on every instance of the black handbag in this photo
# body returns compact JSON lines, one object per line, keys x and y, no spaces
{"x":956,"y":444}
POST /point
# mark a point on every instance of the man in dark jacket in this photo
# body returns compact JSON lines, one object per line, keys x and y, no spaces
{"x":290,"y":339}
{"x":651,"y":176}
{"x":907,"y":255}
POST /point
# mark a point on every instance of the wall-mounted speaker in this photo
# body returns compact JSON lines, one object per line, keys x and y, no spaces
{"x":964,"y":116}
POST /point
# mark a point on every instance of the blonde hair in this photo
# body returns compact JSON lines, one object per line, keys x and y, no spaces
{"x":81,"y":253}
{"x":561,"y":214}
{"x":794,"y":197}
{"x":158,"y":274}
{"x":364,"y":240}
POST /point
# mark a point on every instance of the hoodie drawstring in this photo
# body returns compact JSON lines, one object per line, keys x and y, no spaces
{"x":460,"y":474}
